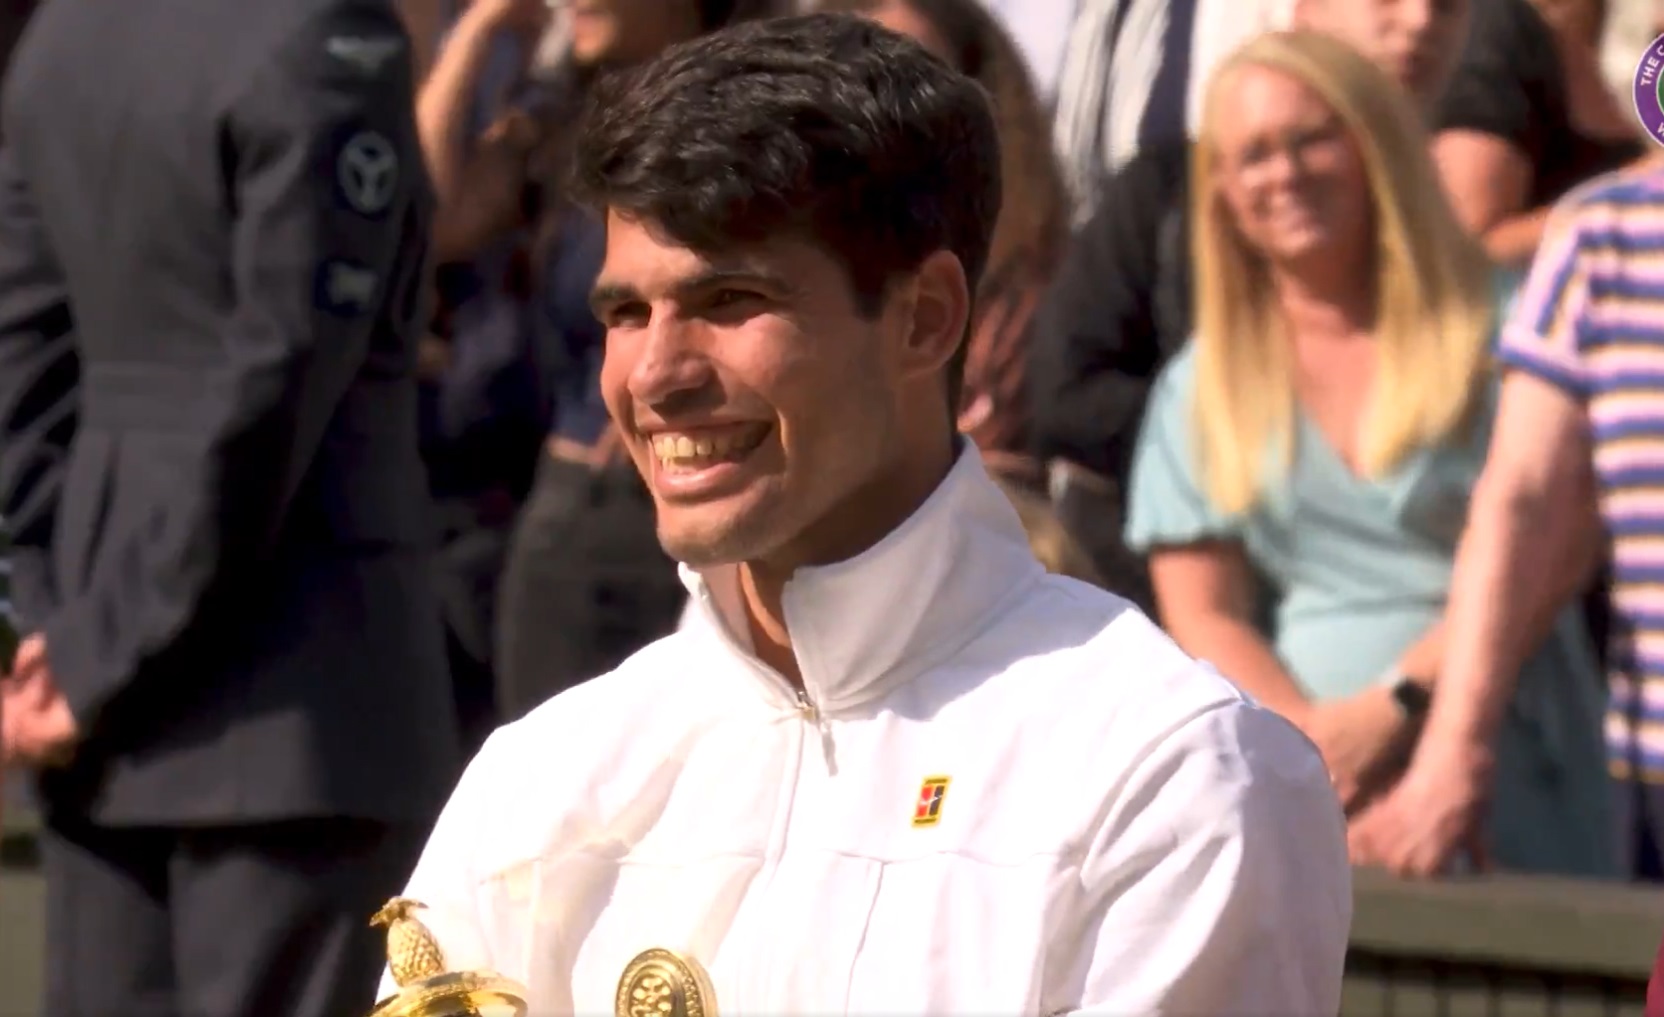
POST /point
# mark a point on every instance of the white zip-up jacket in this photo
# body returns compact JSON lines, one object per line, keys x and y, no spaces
{"x":1120,"y":832}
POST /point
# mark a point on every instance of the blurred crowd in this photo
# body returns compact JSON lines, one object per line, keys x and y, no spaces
{"x":1133,"y":359}
{"x":1261,"y":271}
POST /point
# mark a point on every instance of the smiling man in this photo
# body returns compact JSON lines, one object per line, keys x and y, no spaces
{"x":892,"y":766}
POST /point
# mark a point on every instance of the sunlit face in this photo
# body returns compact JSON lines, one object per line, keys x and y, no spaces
{"x":761,"y":408}
{"x":1289,"y":173}
{"x":629,"y":31}
{"x":900,"y":17}
{"x":1418,"y":42}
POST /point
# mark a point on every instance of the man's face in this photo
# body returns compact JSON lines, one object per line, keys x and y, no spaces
{"x":629,"y":31}
{"x":901,"y":17}
{"x":1418,"y":42}
{"x":762,"y":409}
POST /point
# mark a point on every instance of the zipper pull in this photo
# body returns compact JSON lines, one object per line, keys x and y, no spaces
{"x":811,"y":714}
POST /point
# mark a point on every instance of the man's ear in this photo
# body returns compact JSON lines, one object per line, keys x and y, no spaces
{"x":941,"y":313}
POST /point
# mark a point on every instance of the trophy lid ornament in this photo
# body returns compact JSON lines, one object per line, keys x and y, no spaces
{"x":426,"y":988}
{"x":412,"y":951}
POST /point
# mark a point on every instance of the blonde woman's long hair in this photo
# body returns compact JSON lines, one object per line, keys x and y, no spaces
{"x":1435,"y":304}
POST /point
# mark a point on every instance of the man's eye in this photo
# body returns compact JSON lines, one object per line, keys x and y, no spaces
{"x":728,"y":298}
{"x":625,"y":315}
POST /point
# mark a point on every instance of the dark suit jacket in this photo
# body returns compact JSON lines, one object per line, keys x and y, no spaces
{"x":211,"y":242}
{"x":14,"y":14}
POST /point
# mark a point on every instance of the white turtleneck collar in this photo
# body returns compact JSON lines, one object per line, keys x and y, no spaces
{"x":861,"y":627}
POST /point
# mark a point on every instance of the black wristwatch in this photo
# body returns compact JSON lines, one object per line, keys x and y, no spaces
{"x":1412,"y":696}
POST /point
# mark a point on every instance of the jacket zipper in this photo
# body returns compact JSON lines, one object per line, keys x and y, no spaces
{"x":755,"y":972}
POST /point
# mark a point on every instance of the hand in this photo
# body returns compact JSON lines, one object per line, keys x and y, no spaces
{"x":1361,"y":738}
{"x":530,"y":17}
{"x":37,"y":727}
{"x":433,"y":358}
{"x":516,"y":134}
{"x":1434,"y":813}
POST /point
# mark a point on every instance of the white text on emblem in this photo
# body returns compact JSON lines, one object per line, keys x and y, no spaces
{"x":349,"y":288}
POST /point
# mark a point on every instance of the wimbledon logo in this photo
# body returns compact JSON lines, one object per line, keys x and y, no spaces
{"x":1649,"y":90}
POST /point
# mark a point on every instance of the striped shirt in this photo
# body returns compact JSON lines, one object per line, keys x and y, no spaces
{"x":1590,"y":320}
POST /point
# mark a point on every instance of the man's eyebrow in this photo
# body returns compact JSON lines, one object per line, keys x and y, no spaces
{"x":718,"y":277}
{"x":607,"y":294}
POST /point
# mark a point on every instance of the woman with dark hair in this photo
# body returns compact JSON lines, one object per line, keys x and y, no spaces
{"x":585,"y":583}
{"x":1033,"y":224}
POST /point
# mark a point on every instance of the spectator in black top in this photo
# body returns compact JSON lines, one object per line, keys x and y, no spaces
{"x":1121,"y":304}
{"x":1508,"y":144}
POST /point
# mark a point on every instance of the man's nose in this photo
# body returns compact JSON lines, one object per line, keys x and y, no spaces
{"x":1416,"y":16}
{"x":671,"y":362}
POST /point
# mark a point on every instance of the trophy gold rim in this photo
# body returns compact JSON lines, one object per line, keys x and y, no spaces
{"x":451,"y":994}
{"x":690,"y":985}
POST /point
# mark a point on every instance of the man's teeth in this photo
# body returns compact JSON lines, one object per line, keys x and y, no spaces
{"x":683,"y":450}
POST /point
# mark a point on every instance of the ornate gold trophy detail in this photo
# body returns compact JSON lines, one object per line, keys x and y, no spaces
{"x":663,"y":983}
{"x":426,"y":989}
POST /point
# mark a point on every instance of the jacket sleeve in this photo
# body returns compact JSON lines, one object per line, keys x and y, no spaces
{"x":323,"y":175}
{"x":1094,"y":348}
{"x":39,"y":374}
{"x":1220,"y":883}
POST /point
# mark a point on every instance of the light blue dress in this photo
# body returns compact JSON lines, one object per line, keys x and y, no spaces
{"x":1354,"y":571}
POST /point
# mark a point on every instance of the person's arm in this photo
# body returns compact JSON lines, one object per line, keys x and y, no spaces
{"x":1498,"y":123}
{"x":1489,"y":181}
{"x":291,"y":349}
{"x":1199,"y":567}
{"x":1221,"y":886}
{"x":477,"y":181}
{"x":1206,"y":597}
{"x":39,"y":378}
{"x":1093,"y":348}
{"x":1531,"y":542}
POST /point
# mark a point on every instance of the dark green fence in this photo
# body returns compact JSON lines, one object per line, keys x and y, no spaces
{"x":1500,"y":947}
{"x":1493,"y":947}
{"x":21,"y":949}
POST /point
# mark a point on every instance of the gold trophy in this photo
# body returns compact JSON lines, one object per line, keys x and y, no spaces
{"x":663,"y":983}
{"x":426,"y":989}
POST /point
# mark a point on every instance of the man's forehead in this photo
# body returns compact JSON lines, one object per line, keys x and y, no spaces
{"x":643,"y":257}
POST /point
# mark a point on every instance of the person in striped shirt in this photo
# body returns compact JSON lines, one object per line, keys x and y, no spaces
{"x":1579,"y":438}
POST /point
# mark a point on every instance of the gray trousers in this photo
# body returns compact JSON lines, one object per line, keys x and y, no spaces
{"x":256,"y":921}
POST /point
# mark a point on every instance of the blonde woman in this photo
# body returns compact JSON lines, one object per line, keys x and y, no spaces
{"x":1306,"y":462}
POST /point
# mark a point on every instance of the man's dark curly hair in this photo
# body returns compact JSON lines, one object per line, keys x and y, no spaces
{"x":826,"y":126}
